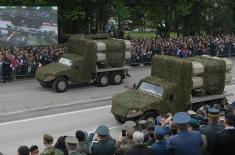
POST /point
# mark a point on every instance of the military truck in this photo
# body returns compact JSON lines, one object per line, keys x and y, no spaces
{"x":175,"y":84}
{"x":98,"y":59}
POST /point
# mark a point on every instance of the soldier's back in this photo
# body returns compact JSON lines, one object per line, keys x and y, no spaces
{"x":52,"y":151}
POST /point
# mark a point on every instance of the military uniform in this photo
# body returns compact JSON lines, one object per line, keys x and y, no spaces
{"x":52,"y":151}
{"x":185,"y":142}
{"x":211,"y":129}
{"x":48,"y":139}
{"x":6,"y":69}
{"x":103,"y":147}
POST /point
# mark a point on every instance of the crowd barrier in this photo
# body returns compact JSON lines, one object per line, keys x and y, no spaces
{"x":30,"y":69}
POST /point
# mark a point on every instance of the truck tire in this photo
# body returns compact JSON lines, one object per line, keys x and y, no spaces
{"x":44,"y":84}
{"x":102,"y":80}
{"x":119,"y":119}
{"x":149,"y":116}
{"x":116,"y":78}
{"x":60,"y":84}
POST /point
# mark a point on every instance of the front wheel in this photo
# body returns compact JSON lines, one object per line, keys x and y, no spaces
{"x":44,"y":84}
{"x":149,"y":116}
{"x":60,"y":84}
{"x":119,"y":119}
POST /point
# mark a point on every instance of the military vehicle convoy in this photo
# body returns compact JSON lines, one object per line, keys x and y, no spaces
{"x":98,"y":59}
{"x":175,"y":84}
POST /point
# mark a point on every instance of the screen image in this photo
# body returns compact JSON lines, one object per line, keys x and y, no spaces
{"x":28,"y":26}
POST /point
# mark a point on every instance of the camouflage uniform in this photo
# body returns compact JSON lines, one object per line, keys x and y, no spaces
{"x":52,"y":151}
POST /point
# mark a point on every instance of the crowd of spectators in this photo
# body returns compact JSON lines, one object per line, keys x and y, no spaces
{"x":25,"y":60}
{"x":208,"y":131}
{"x":144,"y":49}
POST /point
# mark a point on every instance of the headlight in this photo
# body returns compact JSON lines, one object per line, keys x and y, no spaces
{"x":134,"y":113}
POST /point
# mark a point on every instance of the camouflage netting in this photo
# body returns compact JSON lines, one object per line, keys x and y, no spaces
{"x":214,"y":74}
{"x":115,"y":52}
{"x":177,"y":71}
{"x":85,"y":48}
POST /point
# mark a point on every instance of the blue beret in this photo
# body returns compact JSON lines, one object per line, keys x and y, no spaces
{"x":102,"y":130}
{"x":160,"y":131}
{"x":181,"y":118}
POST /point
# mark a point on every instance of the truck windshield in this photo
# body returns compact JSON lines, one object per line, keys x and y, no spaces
{"x":65,"y":61}
{"x":151,"y":88}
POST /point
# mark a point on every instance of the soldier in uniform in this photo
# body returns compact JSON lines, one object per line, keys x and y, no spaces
{"x":185,"y":142}
{"x":102,"y":143}
{"x":71,"y":145}
{"x":49,"y":149}
{"x":6,"y":69}
{"x":212,"y":128}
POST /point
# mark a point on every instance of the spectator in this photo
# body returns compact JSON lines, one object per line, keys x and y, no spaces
{"x":71,"y":145}
{"x":34,"y":150}
{"x":151,"y":136}
{"x":49,"y":149}
{"x":185,"y":141}
{"x":139,"y":148}
{"x":233,"y":107}
{"x":225,"y":140}
{"x":60,"y":144}
{"x":82,"y":144}
{"x":102,"y":142}
{"x":23,"y":150}
{"x":160,"y":146}
{"x":212,"y":128}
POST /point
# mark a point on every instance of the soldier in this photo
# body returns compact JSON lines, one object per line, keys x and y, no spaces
{"x":71,"y":145}
{"x":185,"y":141}
{"x":6,"y":69}
{"x":102,"y":143}
{"x":49,"y":149}
{"x":34,"y":150}
{"x":212,"y":128}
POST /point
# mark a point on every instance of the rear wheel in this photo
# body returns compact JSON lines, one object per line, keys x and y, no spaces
{"x":102,"y":80}
{"x":116,"y":78}
{"x":60,"y":84}
{"x":149,"y":116}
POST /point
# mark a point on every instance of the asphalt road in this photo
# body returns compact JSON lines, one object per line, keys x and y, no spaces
{"x":27,"y":111}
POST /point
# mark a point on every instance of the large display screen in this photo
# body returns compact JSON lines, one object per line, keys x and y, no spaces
{"x":28,"y":26}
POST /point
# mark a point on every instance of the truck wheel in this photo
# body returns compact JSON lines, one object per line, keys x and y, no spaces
{"x":149,"y":116}
{"x":44,"y":84}
{"x":119,"y":119}
{"x":116,"y":78}
{"x":60,"y":84}
{"x":102,"y":80}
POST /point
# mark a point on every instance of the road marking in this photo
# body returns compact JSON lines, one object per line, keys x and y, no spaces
{"x":55,"y":115}
{"x":56,"y":106}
